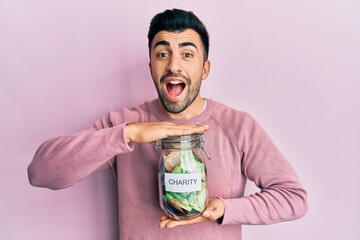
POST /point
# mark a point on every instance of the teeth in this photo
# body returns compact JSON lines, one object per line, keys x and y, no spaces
{"x":175,"y":82}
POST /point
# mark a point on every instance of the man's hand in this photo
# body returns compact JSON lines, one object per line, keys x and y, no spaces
{"x":214,"y":210}
{"x":147,"y":132}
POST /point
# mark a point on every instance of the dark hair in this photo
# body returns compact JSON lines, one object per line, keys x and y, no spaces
{"x":177,"y":20}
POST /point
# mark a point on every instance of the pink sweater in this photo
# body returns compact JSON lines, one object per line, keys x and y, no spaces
{"x":239,"y":149}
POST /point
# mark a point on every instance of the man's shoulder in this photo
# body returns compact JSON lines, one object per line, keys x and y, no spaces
{"x":139,"y":113}
{"x":230,"y":118}
{"x":235,"y":123}
{"x":222,"y":110}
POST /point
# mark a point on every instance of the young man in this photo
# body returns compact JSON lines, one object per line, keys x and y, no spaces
{"x":124,"y":142}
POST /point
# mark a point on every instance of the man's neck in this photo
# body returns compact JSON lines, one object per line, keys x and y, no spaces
{"x":197,"y":107}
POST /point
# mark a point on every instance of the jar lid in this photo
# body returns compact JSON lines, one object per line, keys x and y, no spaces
{"x":185,"y":141}
{"x":184,"y":138}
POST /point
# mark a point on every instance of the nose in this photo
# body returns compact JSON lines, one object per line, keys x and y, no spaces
{"x":174,"y":64}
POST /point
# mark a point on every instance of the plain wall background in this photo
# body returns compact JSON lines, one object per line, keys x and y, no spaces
{"x":294,"y":65}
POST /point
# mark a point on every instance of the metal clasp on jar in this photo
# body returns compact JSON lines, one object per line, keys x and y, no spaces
{"x":202,"y":147}
{"x":157,"y":144}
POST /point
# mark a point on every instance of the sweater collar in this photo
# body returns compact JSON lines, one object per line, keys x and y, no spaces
{"x":198,"y":119}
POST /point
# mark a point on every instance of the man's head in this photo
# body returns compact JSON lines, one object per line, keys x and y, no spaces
{"x":178,"y":48}
{"x":177,"y":20}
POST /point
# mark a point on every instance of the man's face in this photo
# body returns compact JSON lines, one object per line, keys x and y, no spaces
{"x":177,"y":68}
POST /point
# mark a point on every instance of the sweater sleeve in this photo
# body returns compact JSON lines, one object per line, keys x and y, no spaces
{"x":281,"y":196}
{"x":64,"y":160}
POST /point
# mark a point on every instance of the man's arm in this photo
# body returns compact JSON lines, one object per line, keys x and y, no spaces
{"x":281,"y":196}
{"x":62,"y":161}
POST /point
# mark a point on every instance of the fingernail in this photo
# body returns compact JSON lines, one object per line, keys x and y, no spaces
{"x":206,"y":214}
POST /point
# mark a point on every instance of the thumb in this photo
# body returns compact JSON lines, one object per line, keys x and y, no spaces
{"x":214,"y":210}
{"x":210,"y":215}
{"x":206,"y":214}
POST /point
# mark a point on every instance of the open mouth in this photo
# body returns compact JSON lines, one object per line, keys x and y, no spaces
{"x":175,"y":87}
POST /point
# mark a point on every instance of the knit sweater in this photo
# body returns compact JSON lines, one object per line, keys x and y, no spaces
{"x":239,"y":148}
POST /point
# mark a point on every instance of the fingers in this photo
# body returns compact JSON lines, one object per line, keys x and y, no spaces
{"x":147,"y":132}
{"x":164,"y":220}
{"x":180,"y":130}
{"x":167,"y":222}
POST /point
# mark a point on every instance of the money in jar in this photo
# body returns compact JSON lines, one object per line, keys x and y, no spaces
{"x":182,"y":176}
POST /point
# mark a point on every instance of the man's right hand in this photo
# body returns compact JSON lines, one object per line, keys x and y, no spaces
{"x":147,"y":132}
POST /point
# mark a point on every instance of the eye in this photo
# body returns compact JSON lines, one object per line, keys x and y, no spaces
{"x":162,"y":55}
{"x":188,"y":55}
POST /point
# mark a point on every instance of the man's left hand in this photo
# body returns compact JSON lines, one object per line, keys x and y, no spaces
{"x":215,"y":209}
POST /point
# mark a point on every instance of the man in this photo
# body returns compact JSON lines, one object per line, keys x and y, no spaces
{"x":124,"y":142}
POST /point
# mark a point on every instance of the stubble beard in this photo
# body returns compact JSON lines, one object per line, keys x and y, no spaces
{"x":174,"y":107}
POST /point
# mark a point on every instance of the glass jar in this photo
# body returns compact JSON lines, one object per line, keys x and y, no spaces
{"x":182,"y":176}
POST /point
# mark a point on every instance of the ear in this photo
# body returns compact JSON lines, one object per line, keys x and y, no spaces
{"x":150,"y":67}
{"x":205,"y":70}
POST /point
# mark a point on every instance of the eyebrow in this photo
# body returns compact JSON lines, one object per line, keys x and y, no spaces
{"x":184,"y":44}
{"x":181,"y":45}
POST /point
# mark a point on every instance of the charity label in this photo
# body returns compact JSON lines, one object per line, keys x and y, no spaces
{"x":190,"y":182}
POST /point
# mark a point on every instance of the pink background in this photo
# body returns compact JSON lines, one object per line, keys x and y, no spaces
{"x":295,"y":65}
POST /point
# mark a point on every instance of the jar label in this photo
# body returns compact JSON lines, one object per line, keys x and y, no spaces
{"x":189,"y":182}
